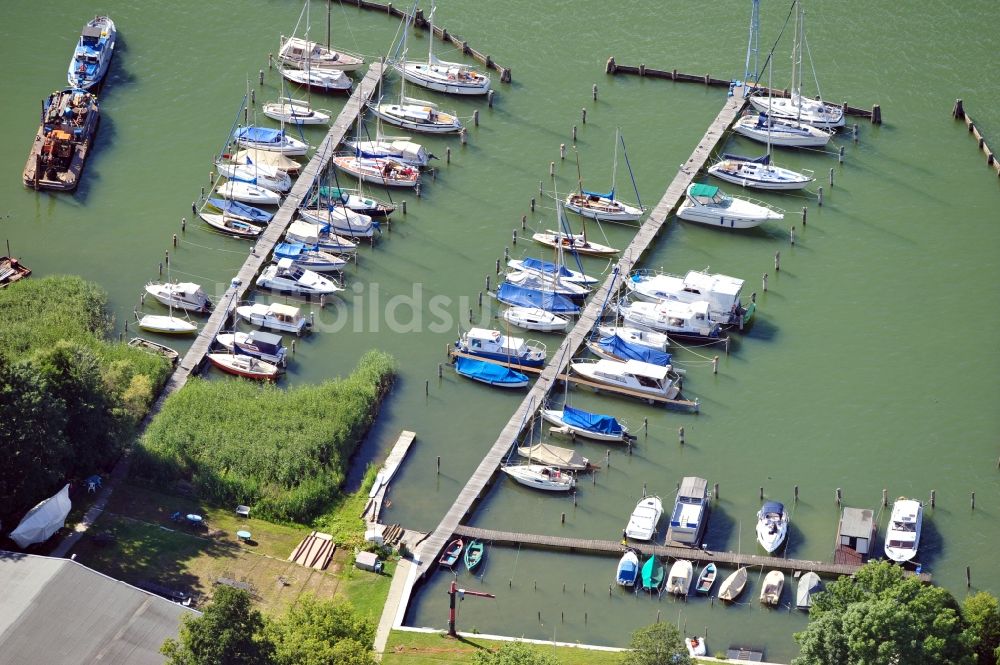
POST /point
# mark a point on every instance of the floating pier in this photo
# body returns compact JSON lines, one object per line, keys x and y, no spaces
{"x":439,"y":32}
{"x":642,"y":241}
{"x":698,"y":555}
{"x":373,"y":509}
{"x":612,"y":67}
{"x":272,"y":234}
{"x":958,"y":112}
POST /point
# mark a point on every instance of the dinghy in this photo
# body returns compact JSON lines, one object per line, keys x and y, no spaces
{"x":652,"y":574}
{"x":246,"y":366}
{"x":150,"y":346}
{"x":490,"y":373}
{"x":284,"y":276}
{"x":695,"y":646}
{"x":705,"y":579}
{"x":770,"y":593}
{"x":732,"y":586}
{"x":452,"y":553}
{"x":628,"y":569}
{"x":644,"y":519}
{"x":474,"y":554}
{"x":679,"y":578}
{"x":541,"y":477}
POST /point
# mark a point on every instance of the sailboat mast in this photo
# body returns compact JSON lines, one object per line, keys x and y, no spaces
{"x":614,"y":164}
{"x":752,"y":47}
{"x":797,"y":53}
{"x":430,"y":40}
{"x":579,"y":176}
{"x":328,"y":3}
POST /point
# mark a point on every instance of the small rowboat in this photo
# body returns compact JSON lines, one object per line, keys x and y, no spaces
{"x":733,"y":585}
{"x":245,"y":366}
{"x":452,"y":553}
{"x":150,"y":346}
{"x":774,"y":582}
{"x":474,"y":554}
{"x":706,"y":579}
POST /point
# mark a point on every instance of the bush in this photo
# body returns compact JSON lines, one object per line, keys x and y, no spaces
{"x":282,"y":451}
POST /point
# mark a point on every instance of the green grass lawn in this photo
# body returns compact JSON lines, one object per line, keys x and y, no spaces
{"x":408,"y":648}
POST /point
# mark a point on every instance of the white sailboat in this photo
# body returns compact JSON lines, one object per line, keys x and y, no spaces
{"x":540,"y":477}
{"x":707,"y":204}
{"x":603,"y":206}
{"x":814,"y":112}
{"x":295,"y":51}
{"x":454,"y":78}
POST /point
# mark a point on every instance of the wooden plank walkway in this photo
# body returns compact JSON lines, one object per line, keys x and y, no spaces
{"x":576,"y":380}
{"x":392,"y":462}
{"x":615,"y":548}
{"x":642,"y":241}
{"x":272,"y":234}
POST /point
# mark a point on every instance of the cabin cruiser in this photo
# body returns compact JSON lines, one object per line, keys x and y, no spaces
{"x":707,"y":204}
{"x":485,"y":343}
{"x":722,"y":293}
{"x":681,"y":320}
{"x":902,"y":536}
{"x":633,"y":375}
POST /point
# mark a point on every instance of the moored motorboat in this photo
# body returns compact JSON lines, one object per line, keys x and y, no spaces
{"x":245,"y":366}
{"x":494,"y":345}
{"x":633,"y":375}
{"x":491,"y":374}
{"x":613,"y":347}
{"x":540,"y":477}
{"x":706,"y":578}
{"x":452,"y":553}
{"x":285,"y":276}
{"x":274,"y":316}
{"x":65,"y":133}
{"x":182,"y":295}
{"x":707,"y":204}
{"x":770,"y":593}
{"x":652,"y":574}
{"x":902,"y":536}
{"x":653,"y":340}
{"x":628,"y":569}
{"x":679,"y":320}
{"x":554,"y":456}
{"x":257,"y":343}
{"x":722,"y":292}
{"x":311,"y":258}
{"x":597,"y":426}
{"x":687,"y":520}
{"x":380,"y":171}
{"x":320,"y":237}
{"x":679,"y":577}
{"x":772,"y":525}
{"x":733,"y":586}
{"x":644,"y":519}
{"x":534,"y":318}
{"x":92,"y":55}
{"x":809,"y":584}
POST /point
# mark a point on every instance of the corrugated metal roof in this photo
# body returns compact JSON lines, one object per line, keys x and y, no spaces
{"x":856,"y":523}
{"x":58,"y":611}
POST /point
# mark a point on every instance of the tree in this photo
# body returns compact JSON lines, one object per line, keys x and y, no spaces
{"x":513,"y":653}
{"x":322,"y":632}
{"x":981,"y":612}
{"x":230,"y":632}
{"x":658,"y":644}
{"x":880,"y":616}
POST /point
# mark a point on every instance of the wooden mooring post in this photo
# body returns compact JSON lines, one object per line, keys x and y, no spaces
{"x":958,"y":112}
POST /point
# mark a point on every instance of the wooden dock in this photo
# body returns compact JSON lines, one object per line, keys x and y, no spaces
{"x":439,"y":32}
{"x":557,"y":367}
{"x":612,"y":67}
{"x":700,"y":556}
{"x":392,"y":462}
{"x":261,"y":252}
{"x":958,"y":112}
{"x":691,"y":405}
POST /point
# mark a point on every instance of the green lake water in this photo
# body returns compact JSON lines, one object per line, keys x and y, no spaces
{"x":872,"y":362}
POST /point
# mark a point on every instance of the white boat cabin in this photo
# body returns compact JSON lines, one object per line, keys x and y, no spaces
{"x":688,"y":517}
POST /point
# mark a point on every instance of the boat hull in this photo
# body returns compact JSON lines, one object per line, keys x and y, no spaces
{"x":239,"y":366}
{"x":430,"y":76}
{"x":391,"y":113}
{"x":767,"y":178}
{"x":555,"y":417}
{"x":602,"y":209}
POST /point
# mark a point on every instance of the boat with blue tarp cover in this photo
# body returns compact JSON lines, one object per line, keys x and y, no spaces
{"x":512,"y":294}
{"x":92,"y":55}
{"x":241,"y":211}
{"x":309,"y":256}
{"x":614,"y":347}
{"x":492,"y":344}
{"x":529,"y":279}
{"x":273,"y":140}
{"x":628,"y":569}
{"x":584,"y":423}
{"x":549,"y":268}
{"x":490,"y":373}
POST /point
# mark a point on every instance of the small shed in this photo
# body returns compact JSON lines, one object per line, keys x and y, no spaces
{"x":368,"y":561}
{"x":857,"y":530}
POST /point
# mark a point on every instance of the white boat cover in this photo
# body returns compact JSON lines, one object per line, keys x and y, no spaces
{"x":43,"y":520}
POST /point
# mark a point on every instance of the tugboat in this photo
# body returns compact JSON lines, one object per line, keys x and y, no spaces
{"x":68,"y":124}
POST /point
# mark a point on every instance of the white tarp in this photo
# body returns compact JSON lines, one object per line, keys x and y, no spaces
{"x":43,"y":520}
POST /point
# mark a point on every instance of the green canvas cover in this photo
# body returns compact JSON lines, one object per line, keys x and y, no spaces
{"x":699,"y":189}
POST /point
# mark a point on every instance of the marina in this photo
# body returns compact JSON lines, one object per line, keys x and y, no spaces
{"x":802,"y":383}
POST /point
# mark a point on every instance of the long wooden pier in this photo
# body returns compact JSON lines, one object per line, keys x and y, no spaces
{"x":612,"y":67}
{"x":272,"y":234}
{"x":642,"y":241}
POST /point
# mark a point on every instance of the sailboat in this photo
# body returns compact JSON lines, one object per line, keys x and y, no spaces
{"x":398,"y":148}
{"x":299,"y":53}
{"x":295,"y":111}
{"x":814,"y":112}
{"x":451,"y":77}
{"x":604,"y":206}
{"x":415,"y":114}
{"x":167,"y":325}
{"x":577,"y":242}
{"x":296,"y":52}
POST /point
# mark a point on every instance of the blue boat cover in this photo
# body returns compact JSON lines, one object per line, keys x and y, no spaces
{"x":593,"y":422}
{"x":547,"y":267}
{"x":620,"y":348}
{"x":512,"y":294}
{"x":772,"y":507}
{"x":241,"y":209}
{"x":491,"y":373}
{"x":627,"y":570}
{"x":763,"y":159}
{"x":260,"y":134}
{"x":604,"y":195}
{"x":289,"y":250}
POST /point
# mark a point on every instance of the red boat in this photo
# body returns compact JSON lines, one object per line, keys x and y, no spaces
{"x":452,"y":553}
{"x":245,"y":366}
